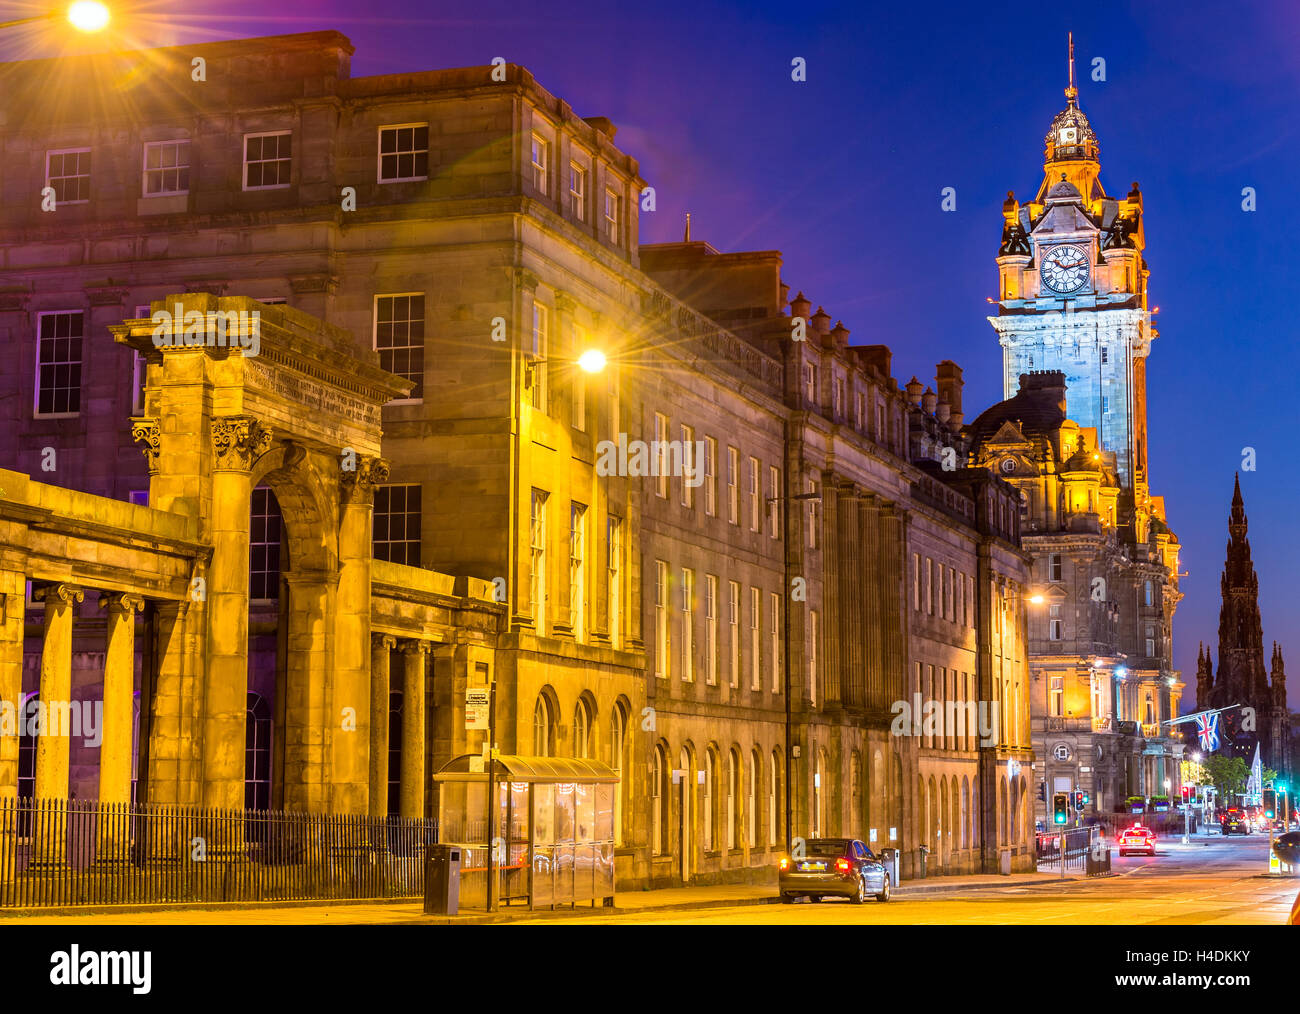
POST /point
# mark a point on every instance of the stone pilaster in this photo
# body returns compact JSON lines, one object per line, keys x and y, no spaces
{"x":13,"y":588}
{"x":237,"y":442}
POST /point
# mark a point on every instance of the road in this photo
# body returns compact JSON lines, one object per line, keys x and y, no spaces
{"x":1217,"y":882}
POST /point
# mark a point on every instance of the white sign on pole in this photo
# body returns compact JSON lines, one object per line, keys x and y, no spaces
{"x":477,"y":703}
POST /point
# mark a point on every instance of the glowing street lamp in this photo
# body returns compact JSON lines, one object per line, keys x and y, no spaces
{"x":592,"y":361}
{"x":88,"y":16}
{"x":1036,"y":600}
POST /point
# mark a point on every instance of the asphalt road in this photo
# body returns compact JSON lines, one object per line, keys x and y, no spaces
{"x":1216,"y":882}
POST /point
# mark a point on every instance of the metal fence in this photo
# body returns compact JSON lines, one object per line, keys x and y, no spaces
{"x":1081,"y":849}
{"x":57,"y":852}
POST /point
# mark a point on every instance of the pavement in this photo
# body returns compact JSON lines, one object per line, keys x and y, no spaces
{"x":626,"y":903}
{"x":1208,"y":880}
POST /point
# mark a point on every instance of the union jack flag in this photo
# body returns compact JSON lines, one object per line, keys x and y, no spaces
{"x":1207,"y":727}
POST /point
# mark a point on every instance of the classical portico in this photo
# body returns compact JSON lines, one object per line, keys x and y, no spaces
{"x":302,"y":416}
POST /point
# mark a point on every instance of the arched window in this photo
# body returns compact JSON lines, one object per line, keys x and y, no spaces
{"x":709,"y":775}
{"x":582,"y":728}
{"x":732,"y":799}
{"x":751,"y":803}
{"x":659,"y":801}
{"x":257,"y":754}
{"x":542,"y":738}
{"x":264,"y":546}
{"x":617,"y":747}
{"x":965,"y":813}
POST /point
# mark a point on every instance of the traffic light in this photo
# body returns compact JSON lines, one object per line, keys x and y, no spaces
{"x":1078,"y":800}
{"x":1061,"y":808}
{"x":1270,"y":803}
{"x":1042,"y":790}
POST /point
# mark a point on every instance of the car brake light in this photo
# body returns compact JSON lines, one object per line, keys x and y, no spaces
{"x":785,"y":863}
{"x":842,"y":865}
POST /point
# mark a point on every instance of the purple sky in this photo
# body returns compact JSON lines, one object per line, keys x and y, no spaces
{"x":843,"y":174}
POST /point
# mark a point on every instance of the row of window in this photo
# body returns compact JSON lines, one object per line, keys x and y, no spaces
{"x":579,"y":574}
{"x":939,"y":590}
{"x":947,"y":687}
{"x":577,"y":189}
{"x":583,"y":742}
{"x":862,"y":420}
{"x":750,"y":508}
{"x":744,"y":648}
{"x":721,"y":810}
{"x":166,"y":165}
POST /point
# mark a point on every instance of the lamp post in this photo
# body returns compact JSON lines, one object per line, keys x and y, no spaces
{"x":87,"y":16}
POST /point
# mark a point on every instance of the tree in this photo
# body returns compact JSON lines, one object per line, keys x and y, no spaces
{"x":1228,"y":775}
{"x":1268,"y":776}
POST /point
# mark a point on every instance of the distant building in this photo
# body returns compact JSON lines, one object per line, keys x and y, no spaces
{"x":1075,"y":330}
{"x":1241,"y":680}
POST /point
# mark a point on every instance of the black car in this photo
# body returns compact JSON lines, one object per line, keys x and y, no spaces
{"x":1234,"y":822}
{"x":842,"y":867}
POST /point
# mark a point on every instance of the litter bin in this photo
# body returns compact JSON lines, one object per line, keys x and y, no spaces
{"x":442,"y":879}
{"x":921,"y":853}
{"x":889,"y":859}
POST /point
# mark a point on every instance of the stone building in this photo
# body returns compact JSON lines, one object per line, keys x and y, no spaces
{"x":1076,"y":330}
{"x":1242,"y":680}
{"x":468,"y":234}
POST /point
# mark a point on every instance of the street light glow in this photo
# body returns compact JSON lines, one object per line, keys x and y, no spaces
{"x":593,"y":360}
{"x":88,"y":16}
{"x":1036,"y":599}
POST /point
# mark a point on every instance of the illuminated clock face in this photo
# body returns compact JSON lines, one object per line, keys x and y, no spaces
{"x":1065,"y":268}
{"x":1067,"y":135}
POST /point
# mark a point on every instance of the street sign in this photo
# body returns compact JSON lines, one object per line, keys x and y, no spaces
{"x":477,"y":705}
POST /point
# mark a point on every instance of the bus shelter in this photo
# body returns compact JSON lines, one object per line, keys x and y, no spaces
{"x":553,"y":828}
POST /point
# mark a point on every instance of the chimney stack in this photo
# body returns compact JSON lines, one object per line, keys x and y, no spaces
{"x":948,"y":379}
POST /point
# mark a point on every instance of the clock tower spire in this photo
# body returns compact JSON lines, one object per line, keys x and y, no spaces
{"x":1072,"y":291}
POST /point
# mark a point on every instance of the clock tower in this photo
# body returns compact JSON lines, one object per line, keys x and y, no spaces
{"x":1073,"y":292}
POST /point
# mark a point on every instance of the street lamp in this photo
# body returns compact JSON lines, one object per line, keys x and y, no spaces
{"x":592,"y":361}
{"x":87,"y":16}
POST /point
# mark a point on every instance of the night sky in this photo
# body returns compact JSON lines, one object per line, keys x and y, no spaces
{"x":843,"y":174}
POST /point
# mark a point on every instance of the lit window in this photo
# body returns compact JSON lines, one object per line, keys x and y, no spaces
{"x":660,"y":452}
{"x":711,"y":631}
{"x":541,"y":326}
{"x":614,"y":564}
{"x":755,"y":513}
{"x":688,"y":625}
{"x":688,"y":466}
{"x":537,"y":550}
{"x":774,"y":502}
{"x":814,"y":638}
{"x":268,"y":159}
{"x":1058,"y":696}
{"x":755,"y":625}
{"x":773,"y":624}
{"x":733,"y":485}
{"x":403,"y":152}
{"x":733,"y":625}
{"x":710,"y":476}
{"x":662,"y":640}
{"x":577,"y":571}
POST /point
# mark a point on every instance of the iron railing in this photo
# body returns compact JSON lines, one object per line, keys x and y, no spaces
{"x":58,"y":852}
{"x":1082,"y":849}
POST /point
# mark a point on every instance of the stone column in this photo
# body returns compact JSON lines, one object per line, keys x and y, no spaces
{"x":237,"y":442}
{"x":56,"y":689}
{"x":351,"y":765}
{"x":119,"y":687}
{"x":13,"y":593}
{"x":381,"y":649}
{"x":413,"y":728}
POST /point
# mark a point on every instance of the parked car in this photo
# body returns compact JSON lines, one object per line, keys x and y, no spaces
{"x":1137,"y":839}
{"x":841,"y":867}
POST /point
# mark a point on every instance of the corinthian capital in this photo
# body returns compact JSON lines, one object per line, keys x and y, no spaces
{"x":238,"y":441}
{"x":147,"y":432}
{"x":357,"y":487}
